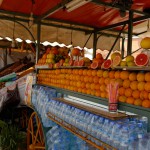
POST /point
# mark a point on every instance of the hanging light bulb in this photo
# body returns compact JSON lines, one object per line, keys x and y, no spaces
{"x":31,"y":20}
{"x":148,"y":26}
{"x":13,"y":39}
{"x":13,"y":43}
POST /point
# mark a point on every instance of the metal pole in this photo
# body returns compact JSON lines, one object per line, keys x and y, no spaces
{"x":115,"y":41}
{"x":130,"y":30}
{"x":5,"y":56}
{"x":94,"y":43}
{"x":38,"y":41}
{"x":122,"y":47}
{"x":87,"y":40}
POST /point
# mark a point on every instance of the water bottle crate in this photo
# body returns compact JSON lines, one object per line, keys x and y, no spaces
{"x":81,"y":134}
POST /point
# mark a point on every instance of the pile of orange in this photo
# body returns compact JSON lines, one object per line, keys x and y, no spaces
{"x":134,"y":87}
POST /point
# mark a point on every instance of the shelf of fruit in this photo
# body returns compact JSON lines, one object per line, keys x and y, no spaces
{"x":91,"y":83}
{"x":81,"y":134}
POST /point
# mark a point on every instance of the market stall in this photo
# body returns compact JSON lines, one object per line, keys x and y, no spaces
{"x":70,"y":85}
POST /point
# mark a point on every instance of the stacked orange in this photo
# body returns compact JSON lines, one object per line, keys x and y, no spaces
{"x":134,"y":88}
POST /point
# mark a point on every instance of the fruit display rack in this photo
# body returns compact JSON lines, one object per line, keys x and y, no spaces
{"x":135,"y":68}
{"x":81,"y":134}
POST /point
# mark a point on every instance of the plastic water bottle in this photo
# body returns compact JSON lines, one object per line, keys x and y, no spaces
{"x":116,"y":134}
{"x":144,"y":121}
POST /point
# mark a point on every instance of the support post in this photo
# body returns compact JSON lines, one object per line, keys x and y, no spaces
{"x":130,"y":30}
{"x":94,"y":43}
{"x":122,"y":47}
{"x":5,"y":56}
{"x":115,"y":41}
{"x":38,"y":41}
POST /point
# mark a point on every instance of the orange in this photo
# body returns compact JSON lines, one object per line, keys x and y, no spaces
{"x":132,"y":76}
{"x":86,"y":79}
{"x":147,"y":76}
{"x":138,"y":102}
{"x":106,"y":96}
{"x":94,"y":72}
{"x":107,"y":81}
{"x":92,"y":86}
{"x":78,"y":77}
{"x":96,"y":79}
{"x":84,"y":72}
{"x":90,"y":79}
{"x":97,"y":86}
{"x":117,"y":74}
{"x":101,"y":81}
{"x":146,"y":103}
{"x":149,"y":96}
{"x":80,"y":90}
{"x":140,"y":77}
{"x":69,"y":71}
{"x":121,"y":91}
{"x":89,"y":72}
{"x":92,"y":92}
{"x":130,"y":100}
{"x":80,"y":72}
{"x":102,"y":88}
{"x":126,"y":83}
{"x":103,"y":94}
{"x":83,"y":90}
{"x":112,"y":74}
{"x":141,"y":86}
{"x":75,"y":89}
{"x":144,"y":95}
{"x":128,"y":92}
{"x":81,"y":78}
{"x":88,"y":85}
{"x":76,"y":71}
{"x":136,"y":94}
{"x":120,"y":82}
{"x":124,"y":75}
{"x":88,"y":91}
{"x":105,"y":74}
{"x":112,"y":81}
{"x":147,"y":86}
{"x":83,"y":85}
{"x":122,"y":99}
{"x":97,"y":93}
{"x":134,"y":85}
{"x":100,"y":73}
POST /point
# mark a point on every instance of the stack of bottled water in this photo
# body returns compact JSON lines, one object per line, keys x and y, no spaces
{"x":60,"y":139}
{"x":122,"y":134}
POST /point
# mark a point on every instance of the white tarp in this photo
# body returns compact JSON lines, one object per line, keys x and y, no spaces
{"x":52,"y":34}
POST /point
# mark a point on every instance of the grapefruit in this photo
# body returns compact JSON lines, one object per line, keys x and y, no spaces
{"x":50,"y":65}
{"x":99,"y":56}
{"x":141,"y":59}
{"x":145,"y":43}
{"x":81,"y":62}
{"x":129,"y":58}
{"x":75,"y":52}
{"x":61,"y":62}
{"x":107,"y":64}
{"x":71,"y":62}
{"x":116,"y":61}
{"x":76,"y":63}
{"x":94,"y":65}
{"x":115,"y":54}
